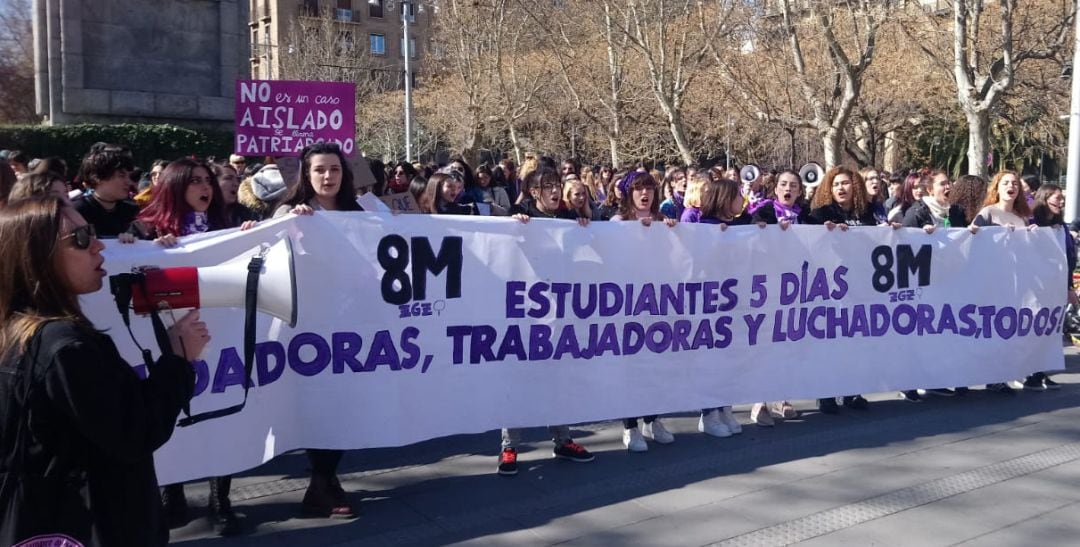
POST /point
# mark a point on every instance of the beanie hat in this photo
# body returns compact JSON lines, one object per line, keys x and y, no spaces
{"x":267,"y":184}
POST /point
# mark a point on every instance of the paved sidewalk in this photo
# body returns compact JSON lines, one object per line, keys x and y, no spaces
{"x":983,"y":469}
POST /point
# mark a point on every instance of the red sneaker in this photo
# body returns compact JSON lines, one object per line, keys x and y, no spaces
{"x":574,"y":452}
{"x":508,"y":462}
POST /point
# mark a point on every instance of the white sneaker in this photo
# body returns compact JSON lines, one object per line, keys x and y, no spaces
{"x":633,"y":440}
{"x":710,"y":424}
{"x":761,"y":416}
{"x":657,"y":432}
{"x":729,"y":420}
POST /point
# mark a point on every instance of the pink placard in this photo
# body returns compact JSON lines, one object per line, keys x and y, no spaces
{"x":280,"y":117}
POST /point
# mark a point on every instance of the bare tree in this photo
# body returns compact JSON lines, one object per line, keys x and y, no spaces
{"x":674,"y":38}
{"x":16,"y":63}
{"x":322,"y":49}
{"x":592,"y":56}
{"x":984,"y":63}
{"x":831,"y":44}
{"x":462,"y":63}
{"x":518,"y":67}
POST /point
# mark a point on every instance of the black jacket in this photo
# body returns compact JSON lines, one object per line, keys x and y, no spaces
{"x":835,"y":213}
{"x":108,"y":224}
{"x":77,"y":442}
{"x":919,"y":215}
{"x":531,"y":211}
{"x":767,"y":214}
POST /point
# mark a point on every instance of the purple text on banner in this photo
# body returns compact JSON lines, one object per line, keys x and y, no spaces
{"x":280,"y":118}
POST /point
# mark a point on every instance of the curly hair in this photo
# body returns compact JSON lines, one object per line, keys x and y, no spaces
{"x":824,"y":196}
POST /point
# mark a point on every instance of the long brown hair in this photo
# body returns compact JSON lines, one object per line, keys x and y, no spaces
{"x":717,"y":196}
{"x":824,"y":196}
{"x":31,"y":289}
{"x":1020,"y":206}
{"x":639,"y":179}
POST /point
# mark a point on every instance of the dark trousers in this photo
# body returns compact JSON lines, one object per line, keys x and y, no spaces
{"x":631,"y":423}
{"x":324,"y":462}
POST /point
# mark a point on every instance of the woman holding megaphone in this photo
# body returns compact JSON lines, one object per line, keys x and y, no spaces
{"x":78,"y":428}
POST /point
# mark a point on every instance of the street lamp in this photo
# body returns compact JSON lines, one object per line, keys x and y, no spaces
{"x":1072,"y":170}
{"x":406,"y":8}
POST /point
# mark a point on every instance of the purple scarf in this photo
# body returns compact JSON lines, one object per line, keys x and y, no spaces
{"x":783,"y":212}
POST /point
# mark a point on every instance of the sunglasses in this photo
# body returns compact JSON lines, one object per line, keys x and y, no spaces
{"x":452,"y":173}
{"x":84,"y":236}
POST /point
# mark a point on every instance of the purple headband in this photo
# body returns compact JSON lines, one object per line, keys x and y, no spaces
{"x":625,"y":182}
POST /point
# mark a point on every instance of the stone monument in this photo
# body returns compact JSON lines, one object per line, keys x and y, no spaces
{"x":140,"y":61}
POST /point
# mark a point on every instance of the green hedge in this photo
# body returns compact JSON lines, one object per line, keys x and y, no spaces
{"x":147,"y":142}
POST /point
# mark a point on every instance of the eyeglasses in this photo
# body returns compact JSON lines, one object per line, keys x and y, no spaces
{"x":549,"y":186}
{"x":84,"y":235}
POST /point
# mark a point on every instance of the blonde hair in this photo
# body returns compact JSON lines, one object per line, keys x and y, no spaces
{"x":570,"y":182}
{"x":1020,"y":206}
{"x":694,"y":184}
{"x":528,"y":166}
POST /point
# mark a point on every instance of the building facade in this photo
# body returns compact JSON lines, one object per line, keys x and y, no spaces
{"x":113,"y":61}
{"x":370,"y":32}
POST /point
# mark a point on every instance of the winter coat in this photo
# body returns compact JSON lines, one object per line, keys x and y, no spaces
{"x":78,"y":430}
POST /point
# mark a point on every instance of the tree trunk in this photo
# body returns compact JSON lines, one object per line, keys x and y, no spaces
{"x":676,"y":126}
{"x":892,"y":152}
{"x":613,"y":146}
{"x":514,"y":141}
{"x":978,"y":141}
{"x":791,"y":139}
{"x":833,"y":150}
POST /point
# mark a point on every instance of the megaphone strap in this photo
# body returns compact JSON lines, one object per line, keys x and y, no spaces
{"x":251,"y":299}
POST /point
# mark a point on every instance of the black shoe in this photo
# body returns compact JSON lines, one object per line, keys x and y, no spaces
{"x":574,"y":452}
{"x":220,"y":513}
{"x":1050,"y":384}
{"x":911,"y":396}
{"x":961,"y":391}
{"x":175,"y":505}
{"x":941,"y":392}
{"x":857,"y":402}
{"x":828,"y":406}
{"x":1034,"y":383}
{"x":326,"y":498}
{"x":508,"y":462}
{"x":1002,"y":388}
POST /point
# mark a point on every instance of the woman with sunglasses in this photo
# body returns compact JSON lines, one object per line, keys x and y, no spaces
{"x":326,"y":184}
{"x":78,"y":428}
{"x":400,"y":178}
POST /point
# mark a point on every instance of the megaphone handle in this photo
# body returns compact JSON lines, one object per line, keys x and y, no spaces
{"x":251,"y":301}
{"x":162,"y":336}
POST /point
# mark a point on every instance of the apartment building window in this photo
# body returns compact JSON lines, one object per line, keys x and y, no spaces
{"x":309,"y":7}
{"x":412,"y":48}
{"x":375,"y":9}
{"x":378,"y":44}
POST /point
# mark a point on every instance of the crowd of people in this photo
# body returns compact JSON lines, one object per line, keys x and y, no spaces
{"x":87,"y":446}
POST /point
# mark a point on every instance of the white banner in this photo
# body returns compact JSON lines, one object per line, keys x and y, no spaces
{"x":416,"y":327}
